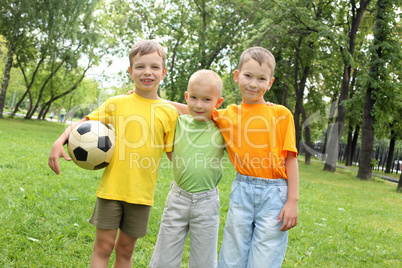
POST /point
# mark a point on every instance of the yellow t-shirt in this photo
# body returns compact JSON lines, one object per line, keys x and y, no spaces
{"x":258,"y":138}
{"x":144,"y":129}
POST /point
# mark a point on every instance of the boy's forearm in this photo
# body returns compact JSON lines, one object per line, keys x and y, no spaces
{"x":292,"y":171}
{"x":64,"y":136}
{"x":180,"y":107}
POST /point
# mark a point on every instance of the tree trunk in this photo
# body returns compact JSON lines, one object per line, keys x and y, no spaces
{"x":6,"y":79}
{"x":349,"y":153}
{"x":308,"y":145}
{"x":390,"y":156}
{"x":329,"y":126}
{"x":43,"y":111}
{"x":399,"y":188}
{"x":366,"y":150}
{"x":74,"y":87}
{"x":354,"y":141}
{"x":286,"y":86}
{"x":29,"y":104}
{"x":43,"y":117}
{"x":30,"y":114}
{"x":337,"y":130}
{"x":28,"y":85}
{"x":297,"y":93}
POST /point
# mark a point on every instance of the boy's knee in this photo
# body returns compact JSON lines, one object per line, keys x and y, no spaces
{"x":104,"y":247}
{"x":125,"y":250}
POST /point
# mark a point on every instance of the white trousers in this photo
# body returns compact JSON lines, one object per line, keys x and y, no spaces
{"x":197,"y":213}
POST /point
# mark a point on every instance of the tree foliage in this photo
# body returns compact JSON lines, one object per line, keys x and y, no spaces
{"x":324,"y":51}
{"x":52,"y":34}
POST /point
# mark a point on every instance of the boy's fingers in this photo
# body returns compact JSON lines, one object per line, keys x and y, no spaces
{"x":288,"y":224}
{"x":280,"y":216}
{"x":284,"y":226}
{"x":65,"y":156}
{"x":54,"y":165}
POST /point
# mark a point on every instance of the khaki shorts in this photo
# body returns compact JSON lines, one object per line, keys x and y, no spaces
{"x":130,"y":218}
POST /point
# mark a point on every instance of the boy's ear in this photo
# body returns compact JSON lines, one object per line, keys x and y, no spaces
{"x":164,"y":72}
{"x":186,"y":96}
{"x":219,"y":102}
{"x":236,"y":76}
{"x":270,"y":83}
{"x":130,"y":73}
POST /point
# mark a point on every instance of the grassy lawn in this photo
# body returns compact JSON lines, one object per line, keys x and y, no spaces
{"x":343,"y":221}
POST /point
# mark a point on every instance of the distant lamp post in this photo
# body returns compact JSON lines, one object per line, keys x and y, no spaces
{"x":12,"y":103}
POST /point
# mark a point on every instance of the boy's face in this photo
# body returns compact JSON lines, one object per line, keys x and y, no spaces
{"x":201,"y":100}
{"x":147,"y":72}
{"x":254,"y":80}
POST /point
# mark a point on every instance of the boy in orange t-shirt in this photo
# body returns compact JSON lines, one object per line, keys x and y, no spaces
{"x":261,"y":143}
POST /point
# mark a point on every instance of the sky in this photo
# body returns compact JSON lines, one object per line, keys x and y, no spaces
{"x":109,"y":75}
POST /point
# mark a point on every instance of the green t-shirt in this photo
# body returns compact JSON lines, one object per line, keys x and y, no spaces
{"x":197,"y":154}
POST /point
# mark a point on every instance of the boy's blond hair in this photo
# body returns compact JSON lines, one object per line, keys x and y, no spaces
{"x":145,"y":47}
{"x":259,"y":54}
{"x":207,"y":76}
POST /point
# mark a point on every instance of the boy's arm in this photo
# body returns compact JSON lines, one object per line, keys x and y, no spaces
{"x":169,"y":155}
{"x":180,"y":107}
{"x":58,"y":151}
{"x":289,"y":212}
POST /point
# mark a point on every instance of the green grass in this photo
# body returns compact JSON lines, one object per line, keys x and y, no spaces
{"x":343,"y":221}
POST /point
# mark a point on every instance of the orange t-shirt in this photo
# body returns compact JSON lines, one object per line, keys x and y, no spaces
{"x":258,"y":138}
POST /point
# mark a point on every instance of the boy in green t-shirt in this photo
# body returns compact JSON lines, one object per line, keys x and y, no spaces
{"x":193,"y":201}
{"x":144,"y":126}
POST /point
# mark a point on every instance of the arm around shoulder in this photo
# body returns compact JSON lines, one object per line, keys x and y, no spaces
{"x":180,"y":107}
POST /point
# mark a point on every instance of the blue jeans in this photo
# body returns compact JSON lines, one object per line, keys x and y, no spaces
{"x":251,"y":237}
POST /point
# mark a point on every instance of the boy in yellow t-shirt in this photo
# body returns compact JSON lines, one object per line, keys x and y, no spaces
{"x":261,"y":143}
{"x":145,"y":126}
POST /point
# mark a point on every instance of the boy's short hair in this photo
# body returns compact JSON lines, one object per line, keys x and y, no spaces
{"x":207,"y":76}
{"x":145,"y":47}
{"x":259,"y":54}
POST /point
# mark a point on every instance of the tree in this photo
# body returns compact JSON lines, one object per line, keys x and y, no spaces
{"x":395,"y":134}
{"x":17,"y":22}
{"x":385,"y":48}
{"x":198,"y":34}
{"x":357,"y":12}
{"x":295,"y":30}
{"x":65,"y":31}
{"x":70,"y":82}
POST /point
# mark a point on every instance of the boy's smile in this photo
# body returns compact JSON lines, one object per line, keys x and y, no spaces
{"x":254,"y":80}
{"x":147,"y":72}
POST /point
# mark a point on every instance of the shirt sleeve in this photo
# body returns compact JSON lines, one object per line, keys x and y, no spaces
{"x":101,"y":113}
{"x":170,"y":131}
{"x":217,"y":114}
{"x":288,"y":134}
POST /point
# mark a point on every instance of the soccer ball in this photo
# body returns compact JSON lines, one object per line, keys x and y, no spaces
{"x":91,"y":145}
